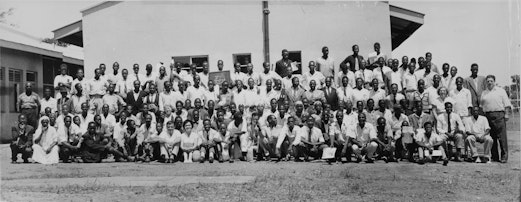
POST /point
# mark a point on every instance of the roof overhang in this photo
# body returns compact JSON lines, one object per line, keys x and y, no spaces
{"x":403,"y":24}
{"x":28,"y":48}
{"x":72,"y":34}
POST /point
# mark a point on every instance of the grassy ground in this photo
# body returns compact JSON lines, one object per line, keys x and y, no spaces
{"x":286,"y":181}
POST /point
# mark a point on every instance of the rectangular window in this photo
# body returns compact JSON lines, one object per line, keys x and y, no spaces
{"x":243,"y":59}
{"x":296,"y":57}
{"x":2,"y":73}
{"x":15,"y":87}
{"x":186,"y":61}
{"x":32,"y":77}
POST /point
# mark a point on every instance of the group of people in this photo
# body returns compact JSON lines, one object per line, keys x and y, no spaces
{"x":363,"y":109}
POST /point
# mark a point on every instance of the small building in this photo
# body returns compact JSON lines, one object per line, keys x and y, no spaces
{"x":26,"y":59}
{"x":234,"y":31}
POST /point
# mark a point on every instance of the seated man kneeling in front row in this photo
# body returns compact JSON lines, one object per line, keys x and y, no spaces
{"x":310,"y":141}
{"x":22,"y":140}
{"x":94,"y":144}
{"x":427,"y":141}
{"x":363,"y":140}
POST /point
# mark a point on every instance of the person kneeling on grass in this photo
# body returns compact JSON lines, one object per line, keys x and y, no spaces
{"x":235,"y":135}
{"x":22,"y":140}
{"x":269,"y":138}
{"x":190,"y":143}
{"x":68,"y":139}
{"x":362,"y":140}
{"x":145,"y":138}
{"x":427,"y":141}
{"x":478,"y":130}
{"x":310,"y":141}
{"x":385,"y":140}
{"x":169,"y":141}
{"x":94,"y":145}
{"x":210,"y":143}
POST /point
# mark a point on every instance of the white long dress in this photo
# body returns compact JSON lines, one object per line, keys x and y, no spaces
{"x":49,"y":136}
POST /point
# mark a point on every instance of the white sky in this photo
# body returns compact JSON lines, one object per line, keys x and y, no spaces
{"x":460,"y":33}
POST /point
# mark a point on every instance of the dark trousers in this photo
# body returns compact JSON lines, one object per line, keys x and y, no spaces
{"x":498,"y":132}
{"x":26,"y":152}
{"x":32,"y":116}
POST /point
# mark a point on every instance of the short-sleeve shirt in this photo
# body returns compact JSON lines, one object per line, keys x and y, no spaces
{"x":495,"y":100}
{"x":365,"y":134}
{"x":28,"y":102}
{"x":476,"y":126}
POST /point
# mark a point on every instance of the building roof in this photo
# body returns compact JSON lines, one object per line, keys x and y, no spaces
{"x":404,"y":23}
{"x":18,"y":40}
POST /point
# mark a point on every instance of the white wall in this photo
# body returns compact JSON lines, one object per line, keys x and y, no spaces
{"x":309,"y":26}
{"x":149,"y":32}
{"x":142,"y":32}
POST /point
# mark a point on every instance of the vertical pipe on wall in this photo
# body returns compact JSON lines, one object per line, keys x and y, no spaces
{"x":265,"y":30}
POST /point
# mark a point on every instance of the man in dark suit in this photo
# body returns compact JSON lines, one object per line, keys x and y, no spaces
{"x":355,"y":60}
{"x":331,"y":95}
{"x":135,"y":97}
{"x":152,"y":99}
{"x":281,"y":67}
{"x":476,"y":84}
{"x":22,"y":140}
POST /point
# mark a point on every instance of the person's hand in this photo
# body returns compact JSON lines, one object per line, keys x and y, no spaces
{"x":28,"y":149}
{"x":507,"y":116}
{"x":48,"y":151}
{"x":301,"y":144}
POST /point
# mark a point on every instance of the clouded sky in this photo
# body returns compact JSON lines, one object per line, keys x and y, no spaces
{"x":459,"y":33}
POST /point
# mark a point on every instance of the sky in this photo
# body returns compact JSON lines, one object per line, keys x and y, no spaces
{"x":459,"y":33}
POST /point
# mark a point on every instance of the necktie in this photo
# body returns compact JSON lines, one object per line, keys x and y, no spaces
{"x":448,"y":123}
{"x":125,"y":84}
{"x":345,"y":92}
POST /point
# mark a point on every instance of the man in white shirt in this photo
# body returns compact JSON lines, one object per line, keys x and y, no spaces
{"x":107,"y":118}
{"x":211,"y":142}
{"x":267,"y":74}
{"x":478,"y":130}
{"x":62,"y":81}
{"x":114,"y":77}
{"x":125,"y":84}
{"x":237,"y":74}
{"x":462,"y":99}
{"x":148,"y":78}
{"x":136,"y":75}
{"x":360,"y":93}
{"x":376,"y":93}
{"x":373,"y":57}
{"x":167,"y":97}
{"x":68,"y":139}
{"x":395,"y":76}
{"x":195,"y":91}
{"x":313,"y":75}
{"x":212,"y":93}
{"x":326,"y":64}
{"x":345,"y":72}
{"x":97,"y":89}
{"x":48,"y":101}
{"x":310,"y":141}
{"x":345,"y":92}
{"x":498,"y":109}
{"x":362,"y":140}
{"x":115,"y":102}
{"x":80,"y":79}
{"x":239,"y":95}
{"x":269,"y":138}
{"x":205,"y":75}
{"x":380,"y":72}
{"x":85,"y":117}
{"x":409,"y":83}
{"x":177,"y":75}
{"x":78,"y":99}
{"x":450,"y":127}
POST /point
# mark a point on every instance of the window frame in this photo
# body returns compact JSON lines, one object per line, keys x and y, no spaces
{"x":17,"y":89}
{"x":243,"y":66}
{"x":190,"y":59}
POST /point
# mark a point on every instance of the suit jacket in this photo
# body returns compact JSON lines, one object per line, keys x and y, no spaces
{"x":331,"y":98}
{"x":475,"y":91}
{"x":26,"y":138}
{"x":295,"y":95}
{"x":351,"y":60}
{"x":281,"y":68}
{"x":147,"y":100}
{"x":136,"y":104}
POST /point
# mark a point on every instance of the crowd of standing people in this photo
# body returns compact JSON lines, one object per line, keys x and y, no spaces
{"x":374,"y":108}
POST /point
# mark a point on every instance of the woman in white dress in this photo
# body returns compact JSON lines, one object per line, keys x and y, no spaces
{"x":190,"y":142}
{"x":45,"y":145}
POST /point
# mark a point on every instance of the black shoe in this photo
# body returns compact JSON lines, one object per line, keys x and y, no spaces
{"x":14,"y":162}
{"x":210,"y":160}
{"x":369,"y":160}
{"x":298,"y":160}
{"x":421,"y":161}
{"x":358,"y":159}
{"x":231,"y":161}
{"x":445,"y":162}
{"x":26,"y":161}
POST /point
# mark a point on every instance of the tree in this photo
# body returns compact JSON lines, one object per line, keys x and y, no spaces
{"x":4,"y":15}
